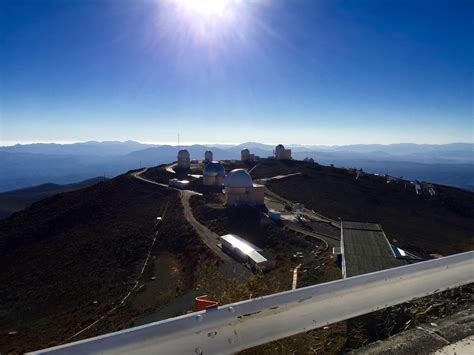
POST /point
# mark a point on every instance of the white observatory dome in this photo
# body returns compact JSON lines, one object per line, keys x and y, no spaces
{"x":238,"y":178}
{"x":280,"y":147}
{"x":183,"y":154}
{"x":245,"y":151}
{"x":214,"y":169}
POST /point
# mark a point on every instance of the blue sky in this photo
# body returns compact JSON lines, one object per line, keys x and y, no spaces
{"x":309,"y":72}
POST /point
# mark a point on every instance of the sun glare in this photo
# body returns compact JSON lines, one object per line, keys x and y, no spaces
{"x":221,"y":26}
{"x":206,"y":7}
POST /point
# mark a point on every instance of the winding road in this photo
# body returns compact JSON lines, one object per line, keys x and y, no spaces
{"x":229,"y":267}
{"x":273,"y":198}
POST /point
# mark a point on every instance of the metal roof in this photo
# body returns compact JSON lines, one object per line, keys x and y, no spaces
{"x":366,"y":249}
{"x":257,"y":257}
{"x":240,"y":243}
{"x":214,"y":168}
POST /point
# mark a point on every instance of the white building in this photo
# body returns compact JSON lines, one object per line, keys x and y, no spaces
{"x":208,"y":156}
{"x":282,"y":153}
{"x":213,"y":174}
{"x":240,"y":189}
{"x":247,"y":252}
{"x":184,"y":161}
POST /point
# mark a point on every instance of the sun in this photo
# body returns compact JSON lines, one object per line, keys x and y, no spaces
{"x":206,"y":7}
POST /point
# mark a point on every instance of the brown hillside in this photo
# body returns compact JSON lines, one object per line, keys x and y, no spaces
{"x":443,"y":224}
{"x":68,"y":259}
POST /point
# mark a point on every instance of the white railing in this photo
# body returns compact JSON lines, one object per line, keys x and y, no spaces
{"x":245,"y":324}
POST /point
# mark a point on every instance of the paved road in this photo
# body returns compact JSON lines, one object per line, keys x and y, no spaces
{"x":278,"y":177}
{"x":229,"y":267}
{"x":279,"y":203}
{"x":207,"y":236}
{"x":330,"y":240}
{"x":138,"y":175}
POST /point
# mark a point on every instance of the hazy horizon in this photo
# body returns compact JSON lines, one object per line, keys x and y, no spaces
{"x":175,"y":143}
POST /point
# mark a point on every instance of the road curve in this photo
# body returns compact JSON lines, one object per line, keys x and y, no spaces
{"x":208,"y":237}
{"x":229,"y":267}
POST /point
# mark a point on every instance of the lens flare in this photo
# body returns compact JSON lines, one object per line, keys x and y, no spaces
{"x":206,"y":7}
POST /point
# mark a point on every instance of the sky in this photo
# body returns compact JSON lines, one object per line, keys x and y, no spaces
{"x":230,"y":71}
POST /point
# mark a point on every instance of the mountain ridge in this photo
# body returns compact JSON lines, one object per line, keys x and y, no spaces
{"x":19,"y":199}
{"x":26,"y":165}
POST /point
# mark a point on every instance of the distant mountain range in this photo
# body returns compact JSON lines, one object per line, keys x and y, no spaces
{"x":16,"y":200}
{"x":32,"y":164}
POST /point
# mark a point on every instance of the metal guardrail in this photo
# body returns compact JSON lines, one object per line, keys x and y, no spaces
{"x":245,"y":324}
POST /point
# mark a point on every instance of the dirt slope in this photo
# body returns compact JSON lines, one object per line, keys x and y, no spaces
{"x":70,"y":258}
{"x":443,"y":224}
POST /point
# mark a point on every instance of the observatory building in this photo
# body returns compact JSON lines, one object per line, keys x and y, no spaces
{"x":282,"y":153}
{"x":207,"y":156}
{"x":213,"y":174}
{"x":184,"y":162}
{"x":246,"y":156}
{"x":240,"y":189}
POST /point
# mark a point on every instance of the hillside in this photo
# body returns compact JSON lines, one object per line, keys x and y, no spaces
{"x":70,"y":258}
{"x":16,"y":200}
{"x":443,"y":224}
{"x":78,"y":257}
